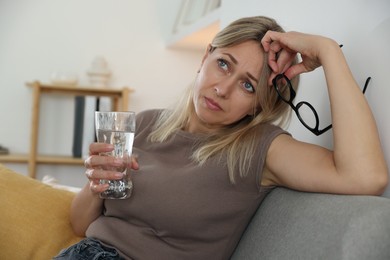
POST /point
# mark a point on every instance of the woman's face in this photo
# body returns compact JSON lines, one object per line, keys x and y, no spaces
{"x":224,"y":91}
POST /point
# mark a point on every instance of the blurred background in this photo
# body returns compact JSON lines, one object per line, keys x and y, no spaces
{"x":155,"y":48}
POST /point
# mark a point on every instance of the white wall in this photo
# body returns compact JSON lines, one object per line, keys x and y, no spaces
{"x":362,"y":26}
{"x":42,"y":36}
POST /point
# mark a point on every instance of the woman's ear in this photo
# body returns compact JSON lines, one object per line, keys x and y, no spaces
{"x":206,"y":54}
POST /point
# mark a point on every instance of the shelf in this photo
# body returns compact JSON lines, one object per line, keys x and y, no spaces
{"x":80,"y":90}
{"x":59,"y":160}
{"x":13,"y":158}
{"x":41,"y":159}
{"x":120,"y":100}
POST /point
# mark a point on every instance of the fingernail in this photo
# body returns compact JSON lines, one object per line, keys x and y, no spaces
{"x":118,"y":175}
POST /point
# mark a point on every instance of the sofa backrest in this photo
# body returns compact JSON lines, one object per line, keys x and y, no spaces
{"x":298,"y":225}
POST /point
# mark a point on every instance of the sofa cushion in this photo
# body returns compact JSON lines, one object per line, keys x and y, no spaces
{"x":34,"y":219}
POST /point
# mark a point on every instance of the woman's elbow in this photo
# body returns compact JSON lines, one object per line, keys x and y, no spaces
{"x":378,"y":182}
{"x":78,"y":228}
{"x":78,"y":233}
{"x":383,"y":182}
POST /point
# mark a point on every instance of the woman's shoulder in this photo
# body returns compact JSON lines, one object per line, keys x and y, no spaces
{"x":147,"y":117}
{"x":266,"y":133}
{"x":149,"y":113}
{"x":267,"y":129}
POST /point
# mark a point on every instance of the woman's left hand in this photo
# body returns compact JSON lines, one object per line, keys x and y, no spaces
{"x":283,"y":48}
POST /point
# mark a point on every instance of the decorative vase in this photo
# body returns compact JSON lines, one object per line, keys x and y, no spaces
{"x":99,"y":74}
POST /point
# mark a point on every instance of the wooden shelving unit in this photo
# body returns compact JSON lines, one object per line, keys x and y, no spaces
{"x":41,"y":159}
{"x":120,"y":100}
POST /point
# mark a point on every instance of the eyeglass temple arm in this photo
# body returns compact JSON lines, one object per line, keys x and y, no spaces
{"x":366,"y":84}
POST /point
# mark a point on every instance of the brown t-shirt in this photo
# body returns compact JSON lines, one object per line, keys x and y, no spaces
{"x":179,"y":209}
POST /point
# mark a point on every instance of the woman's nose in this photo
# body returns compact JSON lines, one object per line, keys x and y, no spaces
{"x":223,"y":89}
{"x":218,"y":91}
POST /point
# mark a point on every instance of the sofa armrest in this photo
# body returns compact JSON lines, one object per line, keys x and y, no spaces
{"x":34,"y":219}
{"x":299,"y":225}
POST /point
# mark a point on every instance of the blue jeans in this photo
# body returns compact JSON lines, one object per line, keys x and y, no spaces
{"x":90,"y":249}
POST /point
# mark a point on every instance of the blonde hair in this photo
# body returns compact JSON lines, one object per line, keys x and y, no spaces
{"x":237,"y":141}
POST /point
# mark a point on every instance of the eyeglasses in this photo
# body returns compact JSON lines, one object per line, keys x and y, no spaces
{"x":285,"y":91}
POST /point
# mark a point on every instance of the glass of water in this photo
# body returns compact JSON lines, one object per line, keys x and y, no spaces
{"x":117,"y":128}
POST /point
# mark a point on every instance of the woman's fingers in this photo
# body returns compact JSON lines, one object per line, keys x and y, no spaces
{"x":96,"y":175}
{"x":100,"y":167}
{"x":134,"y":162}
{"x":99,"y":174}
{"x":94,"y":161}
{"x":285,"y":60}
{"x":269,"y":38}
{"x":96,"y":148}
{"x":283,"y":48}
{"x":280,"y":57}
{"x":273,"y":50}
{"x":97,"y":187}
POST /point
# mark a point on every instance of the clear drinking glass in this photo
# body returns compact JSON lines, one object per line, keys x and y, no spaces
{"x":117,"y":128}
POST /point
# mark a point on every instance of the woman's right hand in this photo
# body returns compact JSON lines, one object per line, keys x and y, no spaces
{"x":87,"y":205}
{"x":102,"y":167}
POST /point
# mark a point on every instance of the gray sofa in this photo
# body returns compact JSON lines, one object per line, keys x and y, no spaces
{"x":34,"y":224}
{"x":297,"y":225}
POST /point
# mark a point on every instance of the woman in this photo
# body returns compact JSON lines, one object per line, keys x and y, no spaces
{"x":204,"y":167}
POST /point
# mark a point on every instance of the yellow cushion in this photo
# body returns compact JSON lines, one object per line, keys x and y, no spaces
{"x":34,"y":218}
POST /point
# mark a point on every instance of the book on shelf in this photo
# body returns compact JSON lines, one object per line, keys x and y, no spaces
{"x":84,"y":122}
{"x":78,"y":126}
{"x":89,"y":124}
{"x":104,"y":104}
{"x":84,"y":125}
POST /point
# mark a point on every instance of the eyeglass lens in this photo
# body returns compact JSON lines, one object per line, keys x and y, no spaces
{"x":305,"y":112}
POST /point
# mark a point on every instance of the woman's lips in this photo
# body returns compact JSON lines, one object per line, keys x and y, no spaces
{"x":211,"y":104}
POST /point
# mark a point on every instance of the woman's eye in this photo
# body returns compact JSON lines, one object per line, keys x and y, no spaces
{"x":249,"y":87}
{"x":223,"y":64}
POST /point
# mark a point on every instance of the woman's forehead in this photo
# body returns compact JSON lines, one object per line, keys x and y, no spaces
{"x":248,"y":53}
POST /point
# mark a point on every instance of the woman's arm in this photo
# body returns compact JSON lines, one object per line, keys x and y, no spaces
{"x":356,"y":165}
{"x":86,"y":207}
